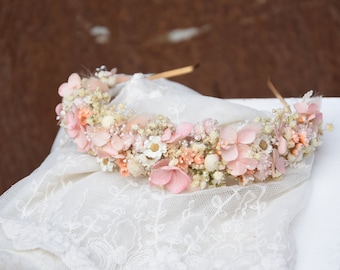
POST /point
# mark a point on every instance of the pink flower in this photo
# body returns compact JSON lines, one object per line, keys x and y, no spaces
{"x":264,"y":167}
{"x":311,"y":110}
{"x":82,"y":141}
{"x":72,"y":123}
{"x":99,"y":136}
{"x":242,"y":163}
{"x":76,"y":131}
{"x":104,"y":144}
{"x":127,"y":140}
{"x":282,"y":143}
{"x":174,"y":179}
{"x":305,"y":108}
{"x":72,"y":84}
{"x":232,"y":140}
{"x":181,"y":132}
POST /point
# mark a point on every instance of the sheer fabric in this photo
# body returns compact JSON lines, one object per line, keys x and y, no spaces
{"x":70,"y":215}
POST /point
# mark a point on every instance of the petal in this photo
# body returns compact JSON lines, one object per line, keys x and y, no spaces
{"x":74,"y":81}
{"x":68,"y":87}
{"x":117,"y":143}
{"x":282,"y":147}
{"x":127,"y":141}
{"x":237,"y":168}
{"x":279,"y":162}
{"x":179,"y":181}
{"x":247,"y":134}
{"x":108,"y":150}
{"x":313,"y":108}
{"x":318,"y":118}
{"x":64,"y":90}
{"x":229,"y":153}
{"x":184,"y":129}
{"x":100,"y":138}
{"x":72,"y":132}
{"x":113,"y":71}
{"x":160,"y":177}
{"x":301,"y":107}
{"x":82,"y":142}
{"x":58,"y":109}
{"x":243,"y":151}
{"x":249,"y":163}
{"x":72,"y":121}
{"x":166,"y":135}
{"x":174,"y":138}
{"x":229,"y":134}
{"x":161,"y":163}
{"x":181,"y":132}
{"x":280,"y":165}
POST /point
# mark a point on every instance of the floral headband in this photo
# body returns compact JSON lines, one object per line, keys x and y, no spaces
{"x":197,"y":155}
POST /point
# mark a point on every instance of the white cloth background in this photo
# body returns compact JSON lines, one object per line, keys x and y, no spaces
{"x":70,"y":215}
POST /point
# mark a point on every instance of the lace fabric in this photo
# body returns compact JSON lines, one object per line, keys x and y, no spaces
{"x":70,"y":215}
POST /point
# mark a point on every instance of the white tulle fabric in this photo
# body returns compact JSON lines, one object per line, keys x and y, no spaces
{"x":70,"y":215}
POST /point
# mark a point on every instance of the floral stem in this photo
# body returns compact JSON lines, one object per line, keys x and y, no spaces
{"x":174,"y":72}
{"x":277,"y":94}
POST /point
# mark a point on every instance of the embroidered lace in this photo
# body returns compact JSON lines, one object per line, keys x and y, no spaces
{"x":68,"y":214}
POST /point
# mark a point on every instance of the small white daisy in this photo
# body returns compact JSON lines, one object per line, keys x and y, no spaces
{"x":154,"y":147}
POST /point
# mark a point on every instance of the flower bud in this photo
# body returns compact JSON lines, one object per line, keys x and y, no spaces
{"x":211,"y":162}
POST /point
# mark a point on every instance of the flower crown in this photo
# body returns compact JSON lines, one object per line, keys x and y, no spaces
{"x":197,"y":155}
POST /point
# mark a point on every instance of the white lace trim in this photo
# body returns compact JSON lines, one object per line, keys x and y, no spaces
{"x":91,"y":219}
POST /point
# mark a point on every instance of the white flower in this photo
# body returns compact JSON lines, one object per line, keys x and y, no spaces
{"x":218,"y":177}
{"x":262,"y":144}
{"x":154,"y":148}
{"x":203,"y":184}
{"x":198,"y":147}
{"x":142,"y":159}
{"x":135,"y":169}
{"x":106,"y":164}
{"x":211,"y":162}
{"x":107,"y":121}
{"x":196,"y":180}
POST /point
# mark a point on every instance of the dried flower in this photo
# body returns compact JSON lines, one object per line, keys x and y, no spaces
{"x":202,"y":155}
